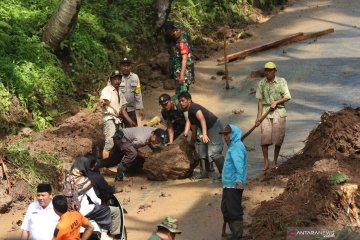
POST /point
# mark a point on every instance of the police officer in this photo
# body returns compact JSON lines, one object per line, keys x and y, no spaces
{"x":130,"y":87}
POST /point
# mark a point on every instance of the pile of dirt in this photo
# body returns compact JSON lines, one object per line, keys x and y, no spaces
{"x":76,"y":136}
{"x":338,"y":135}
{"x":309,"y":200}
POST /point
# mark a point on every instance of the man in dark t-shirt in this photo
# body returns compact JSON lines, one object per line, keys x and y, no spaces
{"x":210,"y":140}
{"x":173,"y":116}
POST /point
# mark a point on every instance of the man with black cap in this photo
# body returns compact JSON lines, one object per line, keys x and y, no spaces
{"x":127,"y":141}
{"x":234,"y":180}
{"x":166,"y":230}
{"x":130,"y":87}
{"x":40,"y":219}
{"x":173,"y":116}
{"x":114,"y":105}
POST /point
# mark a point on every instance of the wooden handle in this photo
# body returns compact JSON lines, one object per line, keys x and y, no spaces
{"x":260,"y":120}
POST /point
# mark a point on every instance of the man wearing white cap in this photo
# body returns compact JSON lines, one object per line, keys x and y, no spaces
{"x":272,"y":92}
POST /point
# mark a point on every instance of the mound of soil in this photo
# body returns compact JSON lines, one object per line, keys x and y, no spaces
{"x":78,"y":135}
{"x":338,"y":135}
{"x":309,"y":200}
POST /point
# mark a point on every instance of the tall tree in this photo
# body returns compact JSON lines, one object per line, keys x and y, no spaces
{"x":61,"y":23}
{"x":162,"y":10}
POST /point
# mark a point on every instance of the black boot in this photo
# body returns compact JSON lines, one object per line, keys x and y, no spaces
{"x":236,"y":228}
{"x":219,"y":162}
{"x":203,"y":169}
{"x":120,"y":172}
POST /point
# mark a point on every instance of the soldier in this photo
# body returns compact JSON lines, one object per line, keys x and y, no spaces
{"x":181,"y":59}
{"x":166,"y":230}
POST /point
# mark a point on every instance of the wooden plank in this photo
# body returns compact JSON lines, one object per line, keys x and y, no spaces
{"x":260,"y":48}
{"x":291,"y":39}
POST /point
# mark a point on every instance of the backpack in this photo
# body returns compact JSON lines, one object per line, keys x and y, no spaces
{"x":71,"y":193}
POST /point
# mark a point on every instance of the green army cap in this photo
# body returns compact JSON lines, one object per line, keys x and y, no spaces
{"x":170,"y":224}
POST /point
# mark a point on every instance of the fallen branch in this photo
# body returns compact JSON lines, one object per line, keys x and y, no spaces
{"x":291,"y":39}
{"x":4,"y":173}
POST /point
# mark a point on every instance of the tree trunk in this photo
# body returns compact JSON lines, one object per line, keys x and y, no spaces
{"x":162,"y":10}
{"x":61,"y":23}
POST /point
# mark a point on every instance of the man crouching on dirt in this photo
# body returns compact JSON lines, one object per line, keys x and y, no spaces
{"x":114,"y":103}
{"x":127,"y":141}
{"x":234,"y":180}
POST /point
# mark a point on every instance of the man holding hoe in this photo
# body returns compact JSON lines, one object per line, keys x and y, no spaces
{"x":272,"y":92}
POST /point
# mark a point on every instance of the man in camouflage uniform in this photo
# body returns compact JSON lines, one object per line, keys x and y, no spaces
{"x":181,"y":59}
{"x":173,"y":116}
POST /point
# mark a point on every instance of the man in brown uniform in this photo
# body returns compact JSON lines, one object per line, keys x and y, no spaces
{"x":272,"y":92}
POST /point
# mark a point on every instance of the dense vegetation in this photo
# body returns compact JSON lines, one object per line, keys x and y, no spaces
{"x":32,"y":77}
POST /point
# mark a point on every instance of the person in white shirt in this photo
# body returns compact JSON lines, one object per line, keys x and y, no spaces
{"x":114,"y":107}
{"x":40,"y":219}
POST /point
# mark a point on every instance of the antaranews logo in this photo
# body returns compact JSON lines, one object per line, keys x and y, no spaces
{"x":308,"y":233}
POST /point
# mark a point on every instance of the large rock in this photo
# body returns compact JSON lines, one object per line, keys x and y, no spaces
{"x":173,"y":162}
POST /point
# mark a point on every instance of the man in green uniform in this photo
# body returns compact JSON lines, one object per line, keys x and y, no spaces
{"x":181,"y":59}
{"x":167,"y":230}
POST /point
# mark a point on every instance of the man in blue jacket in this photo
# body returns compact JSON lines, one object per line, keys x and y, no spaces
{"x":234,"y":180}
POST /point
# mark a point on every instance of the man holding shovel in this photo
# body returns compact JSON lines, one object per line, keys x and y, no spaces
{"x":272,"y":92}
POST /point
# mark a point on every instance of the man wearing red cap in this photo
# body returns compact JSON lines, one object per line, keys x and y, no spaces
{"x":272,"y":92}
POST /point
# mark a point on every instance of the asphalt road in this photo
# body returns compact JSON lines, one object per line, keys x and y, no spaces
{"x":323,"y":74}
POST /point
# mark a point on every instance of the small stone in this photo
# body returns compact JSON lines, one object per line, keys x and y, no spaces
{"x":220,"y":72}
{"x":237,"y":111}
{"x":213,"y":78}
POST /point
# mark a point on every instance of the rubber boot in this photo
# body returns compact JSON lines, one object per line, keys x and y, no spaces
{"x":219,"y":164}
{"x":120,"y":172}
{"x":203,"y":169}
{"x":105,"y":154}
{"x":236,"y":228}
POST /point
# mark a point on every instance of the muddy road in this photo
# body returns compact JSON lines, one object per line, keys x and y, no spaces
{"x":323,"y":75}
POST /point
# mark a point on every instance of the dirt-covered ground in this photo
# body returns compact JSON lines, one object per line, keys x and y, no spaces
{"x":322,"y":76}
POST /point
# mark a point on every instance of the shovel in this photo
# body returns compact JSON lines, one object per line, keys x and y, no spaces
{"x":260,"y":120}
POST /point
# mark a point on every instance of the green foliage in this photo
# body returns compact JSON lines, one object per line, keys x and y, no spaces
{"x":42,"y":167}
{"x":202,"y":17}
{"x":105,"y":31}
{"x":90,"y":101}
{"x":337,"y":178}
{"x":27,"y":67}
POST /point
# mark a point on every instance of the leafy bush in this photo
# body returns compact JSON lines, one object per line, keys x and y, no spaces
{"x":27,"y":67}
{"x":105,"y":32}
{"x":203,"y":17}
{"x":337,"y":178}
{"x":34,"y":169}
